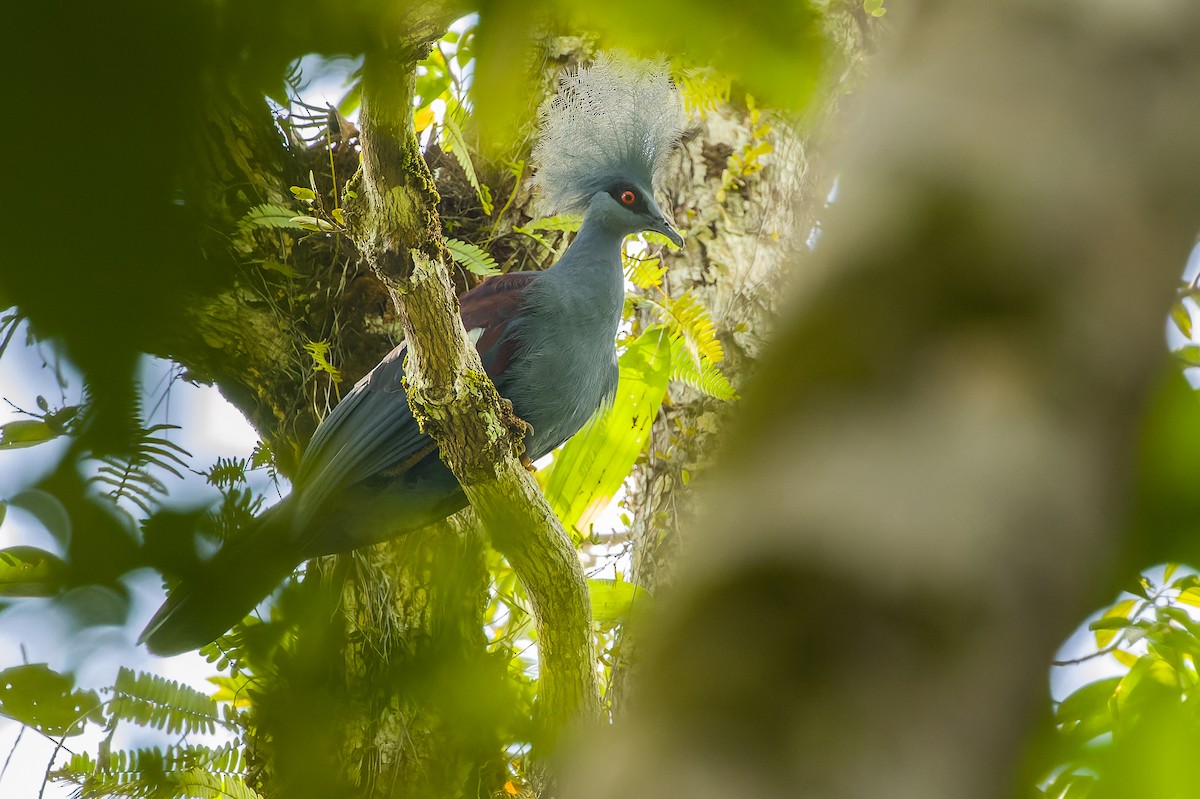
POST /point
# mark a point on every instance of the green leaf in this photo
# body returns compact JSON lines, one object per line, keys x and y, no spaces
{"x":472,"y":258}
{"x":313,"y":223}
{"x":613,"y":600}
{"x":152,"y":701}
{"x":454,"y":143}
{"x":268,"y":216}
{"x":1169,"y":572}
{"x":29,"y":571}
{"x":1190,"y":355}
{"x":589,"y":469}
{"x":1086,"y":713}
{"x":303,"y":194}
{"x":687,"y":317}
{"x":45,"y":700}
{"x":568,"y":223}
{"x":704,"y":376}
{"x":1109,"y":624}
{"x":1115,"y":618}
{"x":275,"y":266}
{"x":26,"y":433}
{"x":319,"y":352}
{"x":1182,"y":318}
{"x":645,"y":273}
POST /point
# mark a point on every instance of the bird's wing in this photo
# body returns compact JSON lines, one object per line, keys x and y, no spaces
{"x":488,"y":313}
{"x":372,"y":429}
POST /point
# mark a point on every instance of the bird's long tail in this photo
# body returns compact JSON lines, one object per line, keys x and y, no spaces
{"x":203,"y":607}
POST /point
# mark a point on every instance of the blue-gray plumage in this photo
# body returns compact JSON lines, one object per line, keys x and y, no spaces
{"x":546,"y":339}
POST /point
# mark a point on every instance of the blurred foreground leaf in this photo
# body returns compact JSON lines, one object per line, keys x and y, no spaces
{"x":43,"y":699}
{"x":29,"y":571}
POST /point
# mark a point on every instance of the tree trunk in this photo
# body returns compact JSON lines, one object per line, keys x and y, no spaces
{"x":932,"y":463}
{"x":748,"y":237}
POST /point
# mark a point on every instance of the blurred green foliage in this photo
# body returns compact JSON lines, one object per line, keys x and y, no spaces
{"x":1135,"y":734}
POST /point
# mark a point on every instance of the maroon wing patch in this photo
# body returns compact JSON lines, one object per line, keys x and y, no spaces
{"x":492,"y":306}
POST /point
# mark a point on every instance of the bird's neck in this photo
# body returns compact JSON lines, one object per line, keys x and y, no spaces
{"x":595,"y":240}
{"x":590,"y":271}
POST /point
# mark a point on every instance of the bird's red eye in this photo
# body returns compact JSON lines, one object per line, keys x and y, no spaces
{"x":628,"y":197}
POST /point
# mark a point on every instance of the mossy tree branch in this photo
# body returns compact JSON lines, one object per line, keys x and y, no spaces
{"x":393,"y":221}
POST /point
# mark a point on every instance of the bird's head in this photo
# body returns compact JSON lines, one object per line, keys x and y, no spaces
{"x":604,"y":144}
{"x":628,"y":208}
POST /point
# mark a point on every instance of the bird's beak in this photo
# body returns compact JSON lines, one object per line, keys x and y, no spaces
{"x":664,"y":227}
{"x":661,"y":225}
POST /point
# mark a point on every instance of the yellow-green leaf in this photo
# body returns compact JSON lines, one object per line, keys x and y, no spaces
{"x":423,"y":118}
{"x":1117,"y":617}
{"x":319,"y":352}
{"x":1182,"y":318}
{"x":471,"y":257}
{"x":268,"y":216}
{"x":26,"y":433}
{"x":454,"y":143}
{"x":614,"y":600}
{"x":645,"y":273}
{"x":29,"y":571}
{"x":313,"y":223}
{"x":591,"y":467}
{"x":275,"y":266}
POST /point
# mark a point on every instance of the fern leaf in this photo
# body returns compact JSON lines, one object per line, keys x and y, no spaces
{"x":319,"y":352}
{"x":207,"y":785}
{"x":645,"y":273}
{"x":455,"y":144}
{"x":152,"y":701}
{"x":268,"y":216}
{"x":687,"y":317}
{"x":704,"y":376}
{"x":567,"y":223}
{"x":472,"y":258}
{"x":226,"y":472}
{"x":179,"y":771}
{"x":702,"y":90}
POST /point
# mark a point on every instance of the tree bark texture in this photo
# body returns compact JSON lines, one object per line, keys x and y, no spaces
{"x":395,"y":225}
{"x":931,"y":465}
{"x":747,"y":244}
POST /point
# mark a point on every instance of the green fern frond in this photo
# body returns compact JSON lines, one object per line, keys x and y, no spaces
{"x":567,"y":223}
{"x":227,"y":472}
{"x":454,"y":143}
{"x":645,"y":273}
{"x":704,"y":376}
{"x":703,"y":90}
{"x":131,"y":476}
{"x":152,"y":701}
{"x":472,"y":258}
{"x":695,"y":349}
{"x":268,"y":216}
{"x":205,"y":784}
{"x":319,"y":352}
{"x":686,"y":316}
{"x":174,"y":773}
{"x":236,"y":512}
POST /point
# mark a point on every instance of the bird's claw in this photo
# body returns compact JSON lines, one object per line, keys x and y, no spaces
{"x":527,"y":463}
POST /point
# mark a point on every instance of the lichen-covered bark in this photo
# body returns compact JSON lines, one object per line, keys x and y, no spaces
{"x":394,"y":222}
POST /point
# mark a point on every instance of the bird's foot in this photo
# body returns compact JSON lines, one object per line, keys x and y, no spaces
{"x":527,"y":463}
{"x":522,"y":427}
